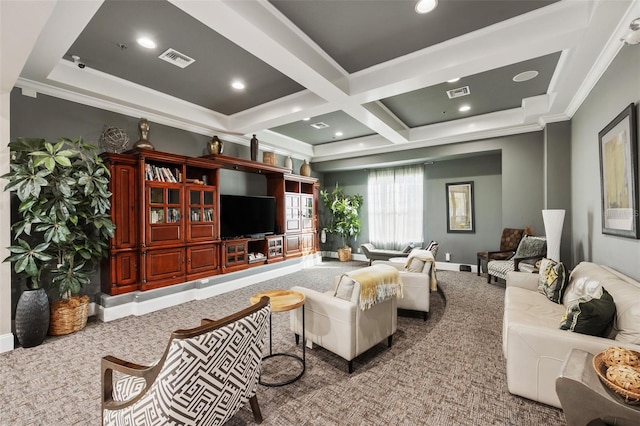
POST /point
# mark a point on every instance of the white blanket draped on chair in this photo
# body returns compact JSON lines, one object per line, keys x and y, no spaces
{"x":377,"y":283}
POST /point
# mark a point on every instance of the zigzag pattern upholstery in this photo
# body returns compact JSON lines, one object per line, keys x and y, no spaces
{"x":204,"y":377}
{"x":528,"y":252}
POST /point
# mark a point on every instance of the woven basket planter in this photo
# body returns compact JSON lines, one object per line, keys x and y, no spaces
{"x":68,"y":315}
{"x":344,"y":254}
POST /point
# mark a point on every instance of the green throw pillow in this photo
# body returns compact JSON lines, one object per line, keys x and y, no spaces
{"x":531,"y":246}
{"x":590,"y":316}
{"x":553,"y":279}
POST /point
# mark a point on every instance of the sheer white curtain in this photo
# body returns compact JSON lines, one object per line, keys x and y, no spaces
{"x":395,"y":206}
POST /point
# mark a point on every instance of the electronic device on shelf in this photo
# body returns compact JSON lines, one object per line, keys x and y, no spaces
{"x":249,"y":216}
{"x":256,"y":256}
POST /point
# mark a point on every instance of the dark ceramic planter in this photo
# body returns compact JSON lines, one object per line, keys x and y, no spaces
{"x":32,"y":317}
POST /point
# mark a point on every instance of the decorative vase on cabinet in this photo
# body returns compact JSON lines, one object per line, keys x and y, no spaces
{"x":288,"y":163}
{"x":254,"y":148}
{"x":305,"y":169}
{"x":215,"y":146}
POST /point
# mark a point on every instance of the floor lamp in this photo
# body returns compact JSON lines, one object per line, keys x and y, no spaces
{"x":553,"y":221}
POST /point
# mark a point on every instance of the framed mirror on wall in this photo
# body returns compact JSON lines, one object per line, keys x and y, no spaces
{"x":460,"y":207}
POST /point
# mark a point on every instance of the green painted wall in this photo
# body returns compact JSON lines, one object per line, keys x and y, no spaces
{"x":617,"y":88}
{"x":508,"y":181}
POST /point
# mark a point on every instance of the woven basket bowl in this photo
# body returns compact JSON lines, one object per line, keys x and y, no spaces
{"x":615,"y":355}
{"x":68,"y":315}
{"x":627,"y":378}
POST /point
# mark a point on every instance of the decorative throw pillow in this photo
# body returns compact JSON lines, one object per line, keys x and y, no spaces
{"x":433,"y":248}
{"x":553,"y":279}
{"x":408,"y":248}
{"x":416,"y":265}
{"x":588,"y":315}
{"x":531,"y":246}
{"x":344,"y":288}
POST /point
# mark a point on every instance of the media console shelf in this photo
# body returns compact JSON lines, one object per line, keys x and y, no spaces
{"x":166,"y":208}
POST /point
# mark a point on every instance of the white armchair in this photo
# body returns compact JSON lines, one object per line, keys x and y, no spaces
{"x":338,"y":324}
{"x":416,"y":286}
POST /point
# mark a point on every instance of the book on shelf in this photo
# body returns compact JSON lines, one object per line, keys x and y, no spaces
{"x":161,"y":174}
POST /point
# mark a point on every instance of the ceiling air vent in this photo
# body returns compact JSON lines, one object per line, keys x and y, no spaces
{"x":319,"y":125}
{"x":460,"y":91}
{"x":176,"y":58}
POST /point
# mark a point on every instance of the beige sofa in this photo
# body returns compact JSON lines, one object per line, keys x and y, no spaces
{"x":533,"y":344}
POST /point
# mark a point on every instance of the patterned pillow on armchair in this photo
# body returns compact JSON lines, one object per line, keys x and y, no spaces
{"x":531,"y":246}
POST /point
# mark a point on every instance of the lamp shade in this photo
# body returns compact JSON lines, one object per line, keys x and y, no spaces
{"x":553,"y":221}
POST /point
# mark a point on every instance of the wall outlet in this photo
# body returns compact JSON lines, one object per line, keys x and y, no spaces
{"x":447,"y":257}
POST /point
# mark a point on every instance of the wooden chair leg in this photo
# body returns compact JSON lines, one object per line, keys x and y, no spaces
{"x":255,"y":409}
{"x":297,"y":339}
{"x":479,"y":265}
{"x":425,"y":315}
{"x":350,"y":366}
{"x":389,"y":340}
{"x":488,"y":278}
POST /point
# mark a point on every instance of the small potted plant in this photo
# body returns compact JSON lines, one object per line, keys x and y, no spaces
{"x":345,"y":217}
{"x":64,"y":226}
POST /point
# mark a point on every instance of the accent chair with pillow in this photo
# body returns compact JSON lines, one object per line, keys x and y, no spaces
{"x":418,"y":276}
{"x":508,"y":245}
{"x":529,"y":251}
{"x":359,"y":312}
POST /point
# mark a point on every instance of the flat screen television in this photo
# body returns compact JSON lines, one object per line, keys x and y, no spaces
{"x":247,"y":216}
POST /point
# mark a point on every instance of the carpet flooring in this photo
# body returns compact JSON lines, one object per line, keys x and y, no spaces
{"x":447,"y":370}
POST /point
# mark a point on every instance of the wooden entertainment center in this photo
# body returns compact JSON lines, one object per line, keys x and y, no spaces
{"x":166,"y":208}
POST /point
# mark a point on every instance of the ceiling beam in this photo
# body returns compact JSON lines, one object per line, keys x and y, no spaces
{"x":263,"y":31}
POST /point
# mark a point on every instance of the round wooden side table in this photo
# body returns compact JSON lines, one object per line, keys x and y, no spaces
{"x":282,"y":301}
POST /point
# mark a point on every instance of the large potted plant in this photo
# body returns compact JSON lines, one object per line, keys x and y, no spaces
{"x":64,"y":224}
{"x":345,"y":217}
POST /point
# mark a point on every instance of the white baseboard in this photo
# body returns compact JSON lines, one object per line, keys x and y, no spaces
{"x":442,"y":266}
{"x":448,"y":266}
{"x":354,"y":256}
{"x":6,"y":342}
{"x":201,"y":289}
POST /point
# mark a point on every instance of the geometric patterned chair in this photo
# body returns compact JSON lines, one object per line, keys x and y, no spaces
{"x":204,"y":377}
{"x":530,"y":250}
{"x":508,"y":243}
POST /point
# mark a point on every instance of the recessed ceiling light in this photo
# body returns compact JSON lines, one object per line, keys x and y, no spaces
{"x":464,"y":108}
{"x":306,"y":119}
{"x":453,"y":80}
{"x":237,"y":84}
{"x":338,"y":134}
{"x":426,"y":6}
{"x":146,"y":42}
{"x":524,"y":76}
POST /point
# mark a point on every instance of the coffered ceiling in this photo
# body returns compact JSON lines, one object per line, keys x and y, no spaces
{"x":372,"y":74}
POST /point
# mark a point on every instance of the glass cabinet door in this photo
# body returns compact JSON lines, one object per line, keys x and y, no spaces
{"x":173,"y":205}
{"x":156,"y":205}
{"x":307,"y":212}
{"x":164,"y":209}
{"x":201,"y":205}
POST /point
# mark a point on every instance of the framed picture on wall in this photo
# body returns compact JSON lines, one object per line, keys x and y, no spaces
{"x":619,"y":175}
{"x":460,"y":207}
